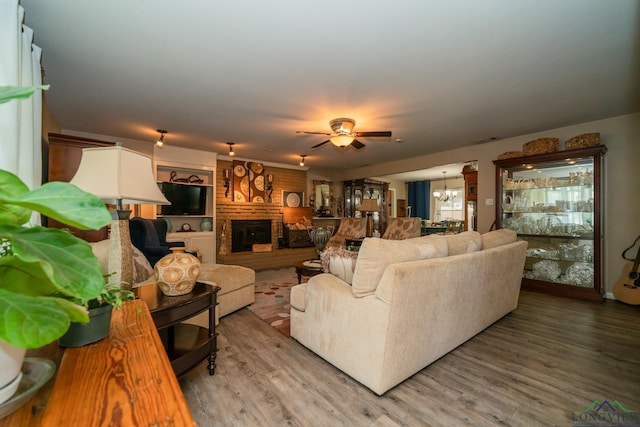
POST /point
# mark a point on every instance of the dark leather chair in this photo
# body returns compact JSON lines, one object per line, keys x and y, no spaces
{"x":150,"y":237}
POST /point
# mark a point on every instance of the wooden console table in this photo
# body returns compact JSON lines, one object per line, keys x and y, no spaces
{"x":124,"y":380}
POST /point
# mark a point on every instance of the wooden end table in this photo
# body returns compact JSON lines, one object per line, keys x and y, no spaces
{"x":168,"y":313}
{"x":307,"y":270}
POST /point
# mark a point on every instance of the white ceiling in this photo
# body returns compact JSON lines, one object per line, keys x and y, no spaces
{"x":439,"y":74}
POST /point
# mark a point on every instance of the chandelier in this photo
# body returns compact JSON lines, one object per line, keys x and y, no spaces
{"x":445,"y":195}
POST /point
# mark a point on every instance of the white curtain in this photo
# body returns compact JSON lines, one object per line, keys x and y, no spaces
{"x":20,"y":121}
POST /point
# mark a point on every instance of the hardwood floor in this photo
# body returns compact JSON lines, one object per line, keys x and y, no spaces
{"x":538,"y":365}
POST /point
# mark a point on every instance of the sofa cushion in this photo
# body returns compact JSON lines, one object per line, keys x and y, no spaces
{"x":497,"y":238}
{"x":464,"y":243}
{"x":403,"y":228}
{"x":142,"y":270}
{"x":228,"y":277}
{"x":376,"y":254}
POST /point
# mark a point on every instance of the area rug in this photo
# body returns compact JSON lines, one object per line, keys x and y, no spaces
{"x":273,"y":288}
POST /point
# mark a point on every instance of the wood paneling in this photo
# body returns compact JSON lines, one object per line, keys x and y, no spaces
{"x":60,"y":162}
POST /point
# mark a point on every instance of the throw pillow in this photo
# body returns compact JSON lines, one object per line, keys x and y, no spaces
{"x":101,"y":251}
{"x":464,"y":243}
{"x":376,"y":254}
{"x":497,"y":238}
{"x":403,"y":228}
{"x":142,"y":270}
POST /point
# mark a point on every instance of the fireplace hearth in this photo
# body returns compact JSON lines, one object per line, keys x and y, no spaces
{"x":247,"y":232}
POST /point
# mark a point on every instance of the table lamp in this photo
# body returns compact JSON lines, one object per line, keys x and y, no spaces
{"x":369,"y":206}
{"x":119,"y":176}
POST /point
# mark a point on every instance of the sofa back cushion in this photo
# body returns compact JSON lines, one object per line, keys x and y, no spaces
{"x":376,"y":254}
{"x":464,"y":243}
{"x":497,"y":238}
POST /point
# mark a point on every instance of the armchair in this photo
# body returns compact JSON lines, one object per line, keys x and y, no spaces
{"x":350,"y":228}
{"x":150,"y":237}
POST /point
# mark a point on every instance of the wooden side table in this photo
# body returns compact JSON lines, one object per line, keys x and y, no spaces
{"x":306,"y":270}
{"x":168,"y":313}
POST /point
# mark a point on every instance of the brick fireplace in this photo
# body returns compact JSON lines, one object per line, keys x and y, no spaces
{"x":228,"y":211}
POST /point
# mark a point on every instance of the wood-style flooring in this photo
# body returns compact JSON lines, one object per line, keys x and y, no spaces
{"x":539,"y":365}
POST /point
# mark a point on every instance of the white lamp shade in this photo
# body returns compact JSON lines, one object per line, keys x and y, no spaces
{"x":118,"y":173}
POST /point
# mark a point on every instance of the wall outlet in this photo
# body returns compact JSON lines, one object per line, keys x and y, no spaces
{"x":488,"y":202}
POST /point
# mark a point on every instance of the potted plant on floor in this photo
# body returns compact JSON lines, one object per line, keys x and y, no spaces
{"x":42,"y":268}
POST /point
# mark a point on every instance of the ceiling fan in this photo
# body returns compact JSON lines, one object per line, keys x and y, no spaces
{"x":343,"y":134}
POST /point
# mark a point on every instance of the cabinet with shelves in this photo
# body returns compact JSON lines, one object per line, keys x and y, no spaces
{"x":193,"y":187}
{"x":357,"y":190}
{"x":553,"y":201}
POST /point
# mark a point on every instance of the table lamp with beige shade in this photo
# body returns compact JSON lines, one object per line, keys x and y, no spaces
{"x":119,"y":176}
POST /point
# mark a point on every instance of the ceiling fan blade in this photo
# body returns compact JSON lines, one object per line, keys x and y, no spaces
{"x":385,"y":133}
{"x":321,"y":144}
{"x":357,"y":144}
{"x":313,"y":133}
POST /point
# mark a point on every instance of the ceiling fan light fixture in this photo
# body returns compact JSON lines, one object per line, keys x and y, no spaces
{"x":160,"y":141}
{"x":342,"y":125}
{"x":341,"y":140}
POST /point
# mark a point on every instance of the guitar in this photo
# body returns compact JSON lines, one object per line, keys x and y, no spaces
{"x":627,"y":288}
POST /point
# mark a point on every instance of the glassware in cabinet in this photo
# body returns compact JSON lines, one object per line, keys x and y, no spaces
{"x":553,"y":201}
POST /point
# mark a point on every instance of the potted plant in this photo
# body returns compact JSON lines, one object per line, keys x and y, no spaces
{"x":42,"y":268}
{"x":100,"y":308}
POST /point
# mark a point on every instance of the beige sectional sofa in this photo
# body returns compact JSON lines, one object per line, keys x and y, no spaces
{"x":410,"y":302}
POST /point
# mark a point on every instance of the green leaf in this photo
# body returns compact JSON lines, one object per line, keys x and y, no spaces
{"x":63,"y":202}
{"x":7,"y":93}
{"x":31,"y":322}
{"x":11,"y":185}
{"x":49,"y":260}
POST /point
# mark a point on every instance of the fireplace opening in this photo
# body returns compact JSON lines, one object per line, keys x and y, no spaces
{"x":246,"y":232}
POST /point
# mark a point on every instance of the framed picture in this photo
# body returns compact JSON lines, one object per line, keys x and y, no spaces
{"x":292,"y":199}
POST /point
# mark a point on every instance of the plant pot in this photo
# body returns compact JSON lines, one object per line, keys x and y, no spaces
{"x":80,"y":334}
{"x":11,"y":359}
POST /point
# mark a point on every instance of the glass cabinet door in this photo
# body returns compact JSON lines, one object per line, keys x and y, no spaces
{"x":553,"y":202}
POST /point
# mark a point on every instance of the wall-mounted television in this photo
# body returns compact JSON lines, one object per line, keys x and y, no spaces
{"x":185,"y":199}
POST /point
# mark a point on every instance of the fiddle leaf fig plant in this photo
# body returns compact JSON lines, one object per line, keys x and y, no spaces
{"x":42,"y":269}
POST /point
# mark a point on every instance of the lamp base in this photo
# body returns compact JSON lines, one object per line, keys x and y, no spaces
{"x":120,"y":254}
{"x":369,"y":225}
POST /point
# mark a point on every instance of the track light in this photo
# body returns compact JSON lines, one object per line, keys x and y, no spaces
{"x":231,"y":152}
{"x":160,"y":142}
{"x":302,"y":156}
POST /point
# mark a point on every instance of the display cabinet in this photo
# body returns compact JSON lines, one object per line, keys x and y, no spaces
{"x":554,"y":202}
{"x":356,"y":191}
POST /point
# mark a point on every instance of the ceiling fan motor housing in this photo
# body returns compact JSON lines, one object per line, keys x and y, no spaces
{"x":342,"y":125}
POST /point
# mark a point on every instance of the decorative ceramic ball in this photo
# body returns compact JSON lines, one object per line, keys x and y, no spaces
{"x":176,"y":273}
{"x":205,"y":224}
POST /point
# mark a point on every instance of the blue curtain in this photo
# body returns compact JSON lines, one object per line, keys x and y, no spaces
{"x":418,"y":198}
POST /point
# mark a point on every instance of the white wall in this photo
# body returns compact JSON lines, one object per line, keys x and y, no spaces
{"x":621,"y":210}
